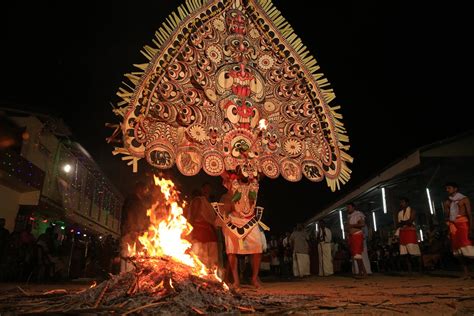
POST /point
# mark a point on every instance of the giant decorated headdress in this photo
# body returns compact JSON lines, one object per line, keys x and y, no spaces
{"x":229,"y":88}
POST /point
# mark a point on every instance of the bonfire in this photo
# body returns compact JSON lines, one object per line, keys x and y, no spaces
{"x":166,"y":277}
{"x":164,"y":241}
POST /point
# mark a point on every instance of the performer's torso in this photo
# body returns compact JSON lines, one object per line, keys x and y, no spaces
{"x":354,"y":218}
{"x":405,"y":215}
{"x":462,"y":205}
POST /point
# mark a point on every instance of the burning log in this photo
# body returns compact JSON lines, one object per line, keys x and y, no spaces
{"x":164,"y":287}
{"x":101,"y":296}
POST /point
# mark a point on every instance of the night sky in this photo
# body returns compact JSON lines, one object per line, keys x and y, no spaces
{"x":397,"y":72}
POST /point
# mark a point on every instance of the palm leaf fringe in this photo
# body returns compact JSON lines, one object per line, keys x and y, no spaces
{"x":344,"y":176}
{"x":162,"y":35}
{"x":133,"y":159}
{"x":323,"y":84}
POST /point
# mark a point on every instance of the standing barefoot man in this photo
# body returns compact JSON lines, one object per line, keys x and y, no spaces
{"x":356,"y":236}
{"x":407,"y":233}
{"x":459,"y":219}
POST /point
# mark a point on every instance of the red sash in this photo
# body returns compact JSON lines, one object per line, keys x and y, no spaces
{"x":408,"y":236}
{"x":203,"y":232}
{"x":356,"y":243}
{"x":460,"y":236}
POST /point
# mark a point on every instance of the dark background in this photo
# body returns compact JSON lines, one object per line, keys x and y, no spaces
{"x":400,"y":72}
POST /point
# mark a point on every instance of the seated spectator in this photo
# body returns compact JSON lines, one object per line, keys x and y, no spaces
{"x":432,"y":254}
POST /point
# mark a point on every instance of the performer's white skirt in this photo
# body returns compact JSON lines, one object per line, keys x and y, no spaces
{"x":301,"y":264}
{"x":250,"y":244}
{"x":410,"y":249}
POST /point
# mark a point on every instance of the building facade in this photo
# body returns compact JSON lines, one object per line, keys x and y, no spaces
{"x":51,"y":180}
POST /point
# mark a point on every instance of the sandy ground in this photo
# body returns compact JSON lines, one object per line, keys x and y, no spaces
{"x":343,"y":295}
{"x":378,"y":295}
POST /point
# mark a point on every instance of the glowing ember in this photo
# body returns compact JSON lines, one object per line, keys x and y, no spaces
{"x":165,"y":235}
{"x":93,"y":285}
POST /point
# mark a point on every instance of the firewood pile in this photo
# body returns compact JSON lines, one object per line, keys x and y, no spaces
{"x":155,"y":286}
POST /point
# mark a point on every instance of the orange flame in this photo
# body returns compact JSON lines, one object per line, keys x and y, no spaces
{"x":165,"y":234}
{"x":219,"y":279}
{"x":93,"y":285}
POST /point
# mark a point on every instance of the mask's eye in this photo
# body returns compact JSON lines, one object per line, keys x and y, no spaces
{"x":232,"y":114}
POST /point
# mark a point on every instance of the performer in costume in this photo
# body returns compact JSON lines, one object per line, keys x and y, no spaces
{"x":407,"y":233}
{"x":229,"y":87}
{"x":248,"y":242}
{"x":356,"y":236}
{"x":459,"y":219}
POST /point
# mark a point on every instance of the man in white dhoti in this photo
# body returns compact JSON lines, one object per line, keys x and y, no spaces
{"x":299,"y":243}
{"x":324,"y":242}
